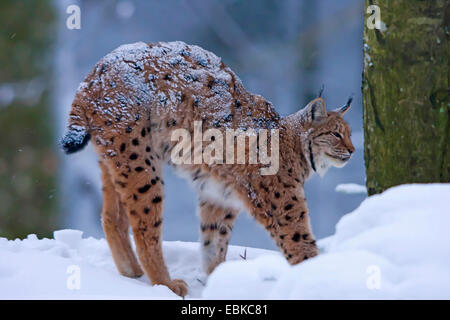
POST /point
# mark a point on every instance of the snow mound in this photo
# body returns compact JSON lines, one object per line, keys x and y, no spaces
{"x":70,"y":237}
{"x":351,"y":188}
{"x":394,"y":246}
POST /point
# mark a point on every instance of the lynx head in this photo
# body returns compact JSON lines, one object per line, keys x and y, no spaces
{"x":328,"y":135}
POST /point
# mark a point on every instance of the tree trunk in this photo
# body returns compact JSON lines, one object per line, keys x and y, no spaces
{"x":405,"y":94}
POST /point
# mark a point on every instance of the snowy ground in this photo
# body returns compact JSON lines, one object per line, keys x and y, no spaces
{"x":394,"y":246}
{"x":48,"y":269}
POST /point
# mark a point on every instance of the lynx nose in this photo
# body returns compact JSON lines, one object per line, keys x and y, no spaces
{"x":350,"y":148}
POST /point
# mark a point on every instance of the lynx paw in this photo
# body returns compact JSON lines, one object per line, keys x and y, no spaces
{"x":133,"y":271}
{"x":178,"y":286}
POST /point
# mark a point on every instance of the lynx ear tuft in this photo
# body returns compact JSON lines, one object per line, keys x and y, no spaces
{"x":342,"y":110}
{"x":321,"y":91}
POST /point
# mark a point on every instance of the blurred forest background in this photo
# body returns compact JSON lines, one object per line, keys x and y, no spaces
{"x":283,"y":50}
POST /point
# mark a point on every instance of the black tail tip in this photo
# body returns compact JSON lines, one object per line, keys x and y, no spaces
{"x":75,"y":140}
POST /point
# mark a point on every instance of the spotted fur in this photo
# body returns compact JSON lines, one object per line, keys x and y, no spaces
{"x":128,"y":106}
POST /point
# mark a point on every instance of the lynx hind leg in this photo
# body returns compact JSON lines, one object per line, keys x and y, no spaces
{"x":136,"y":174}
{"x":216,"y":226}
{"x":116,"y":227}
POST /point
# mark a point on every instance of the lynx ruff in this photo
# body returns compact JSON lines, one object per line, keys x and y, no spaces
{"x":130,"y":105}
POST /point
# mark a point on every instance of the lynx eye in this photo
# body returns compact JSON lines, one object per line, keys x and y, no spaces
{"x":337,"y":135}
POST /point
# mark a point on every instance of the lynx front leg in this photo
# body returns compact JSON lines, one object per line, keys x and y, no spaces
{"x":216,"y":225}
{"x":287,"y":221}
{"x":116,"y":227}
{"x":293,"y":234}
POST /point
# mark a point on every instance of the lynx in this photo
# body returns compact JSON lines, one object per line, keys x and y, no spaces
{"x":129,"y":105}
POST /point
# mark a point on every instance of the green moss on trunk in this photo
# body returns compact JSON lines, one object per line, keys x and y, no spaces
{"x":405,"y":95}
